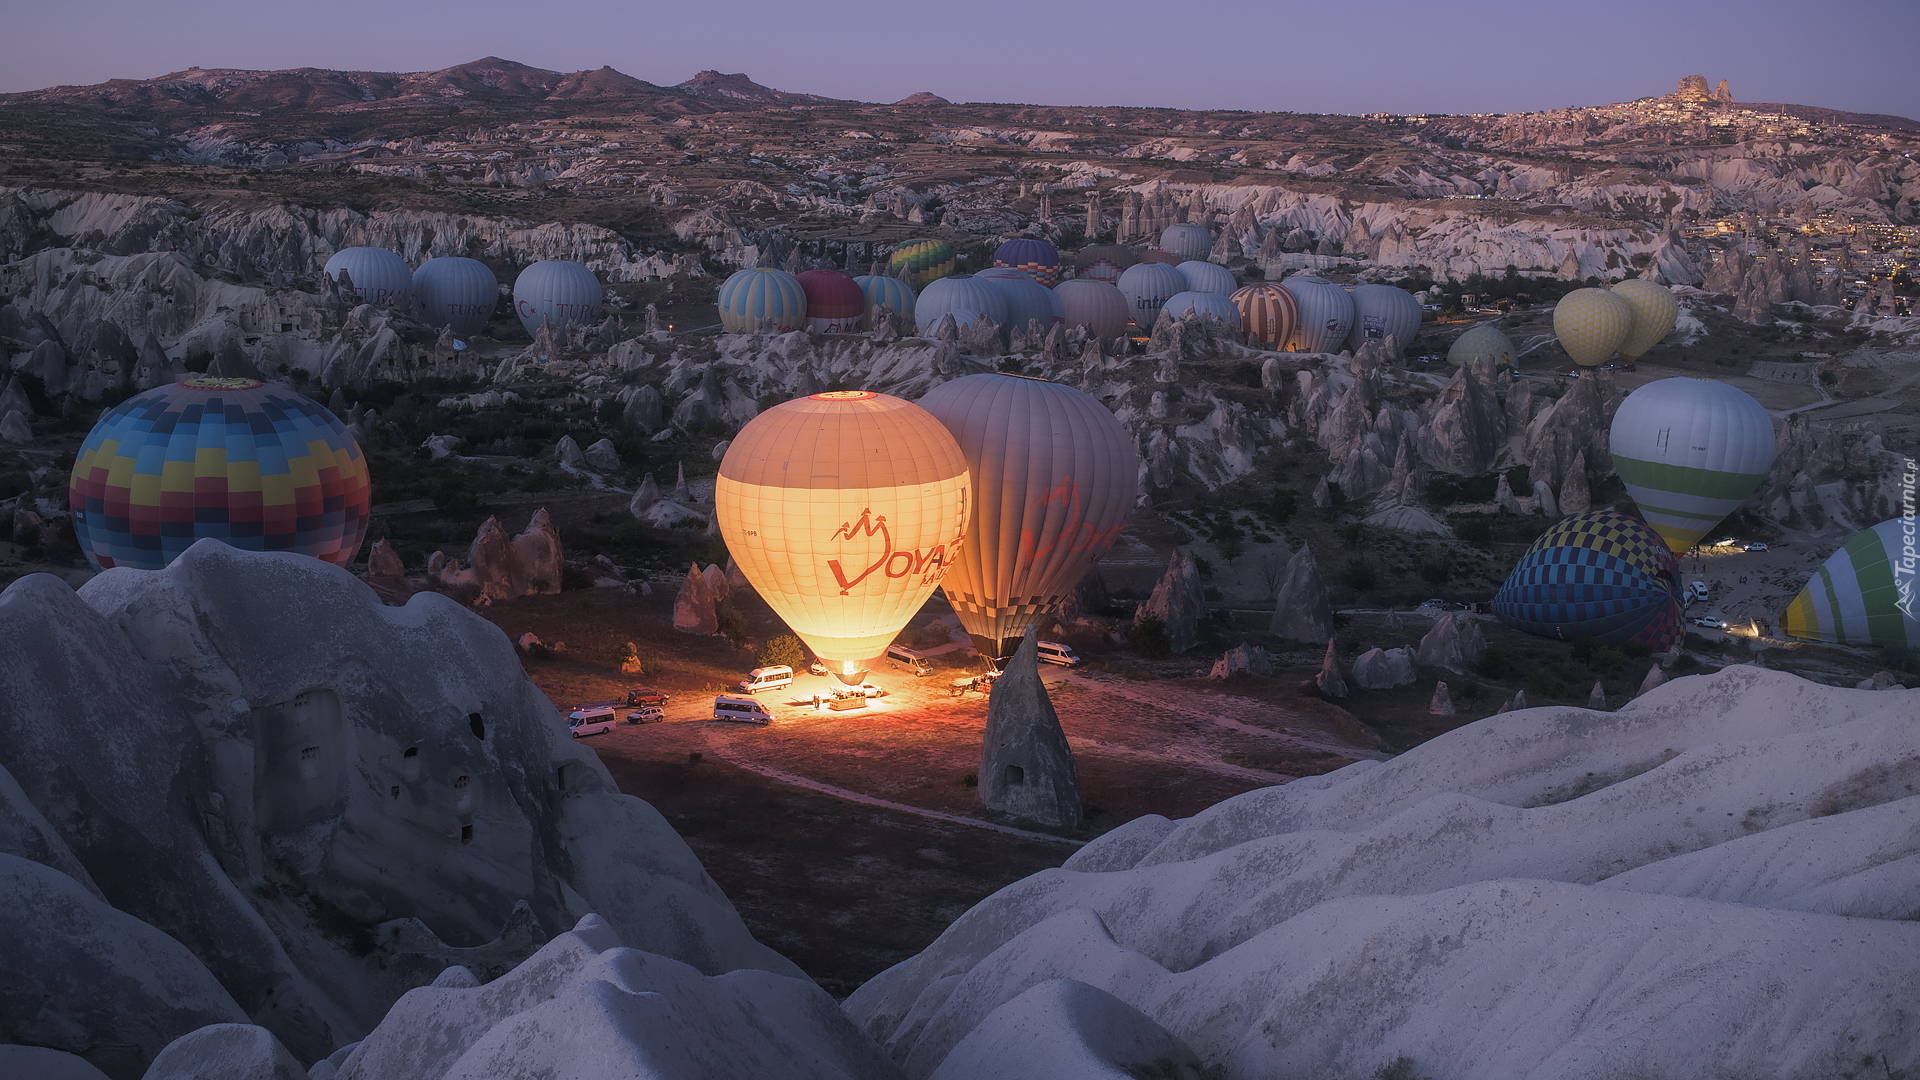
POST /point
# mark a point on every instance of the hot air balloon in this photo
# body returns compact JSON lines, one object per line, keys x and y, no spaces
{"x":888,"y":292}
{"x":1591,"y":324}
{"x":1099,"y":306}
{"x":1326,"y":314}
{"x":844,"y":510}
{"x":1690,"y":451}
{"x":1483,"y":342}
{"x":258,"y":467}
{"x":1054,"y":475}
{"x":835,"y":302}
{"x":1654,"y":313}
{"x":1867,"y":593}
{"x":558,"y":293}
{"x":1602,"y":576}
{"x":1103,"y":262}
{"x":1026,"y":298}
{"x":456,"y":293}
{"x":1382,"y":312}
{"x":1207,"y":277}
{"x":959,"y":292}
{"x":924,"y":261}
{"x":1267,"y":312}
{"x":1155,"y":255}
{"x":1038,"y":258}
{"x":762,"y":293}
{"x":1203,"y":303}
{"x":379,"y":276}
{"x":1148,"y":286}
{"x":1187,"y":241}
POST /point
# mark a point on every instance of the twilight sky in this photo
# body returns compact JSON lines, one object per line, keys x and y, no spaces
{"x":1323,"y":56}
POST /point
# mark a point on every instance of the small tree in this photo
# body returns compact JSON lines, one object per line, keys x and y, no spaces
{"x":1149,"y":637}
{"x":784,"y":651}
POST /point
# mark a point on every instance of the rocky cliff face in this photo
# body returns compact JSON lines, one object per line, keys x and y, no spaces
{"x":253,"y":793}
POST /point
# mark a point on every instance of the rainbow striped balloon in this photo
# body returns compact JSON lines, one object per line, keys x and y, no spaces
{"x":261,"y":468}
{"x":926,"y":261}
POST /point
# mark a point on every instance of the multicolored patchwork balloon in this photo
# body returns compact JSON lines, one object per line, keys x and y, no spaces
{"x":925,"y":260}
{"x":1038,"y":258}
{"x":258,"y":467}
{"x":1602,"y":576}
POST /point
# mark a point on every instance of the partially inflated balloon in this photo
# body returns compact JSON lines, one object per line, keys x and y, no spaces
{"x":844,"y":510}
{"x":258,"y":467}
{"x":1038,"y":258}
{"x":835,"y":302}
{"x":1690,"y":451}
{"x":1187,"y":241}
{"x":1027,"y":300}
{"x":1326,"y":314}
{"x":1601,"y":576}
{"x":456,"y":293}
{"x":558,"y":293}
{"x":1148,"y":286}
{"x":379,"y":276}
{"x":889,"y":292}
{"x":1482,"y":343}
{"x":1207,"y":277}
{"x":1383,"y":313}
{"x":1103,"y":262}
{"x":957,"y":293}
{"x":1591,"y":324}
{"x":1868,"y":593}
{"x":1268,"y":313}
{"x":1654,"y":313}
{"x":1203,"y":303}
{"x":762,"y":295}
{"x":1098,"y":305}
{"x":923,"y":260}
{"x":1055,"y":475}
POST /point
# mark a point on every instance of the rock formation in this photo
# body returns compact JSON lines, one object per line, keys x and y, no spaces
{"x":314,"y":803}
{"x":1329,"y":680}
{"x":1301,"y":611}
{"x":1383,"y":669}
{"x":1179,"y":601}
{"x":1441,"y":703}
{"x":1242,"y":660}
{"x":1454,"y":644}
{"x":693,"y":607}
{"x":644,"y":496}
{"x":14,"y":428}
{"x":568,"y":454}
{"x":602,"y":456}
{"x":1026,"y":766}
{"x":1597,"y":699}
{"x":1515,"y":703}
{"x":383,"y":561}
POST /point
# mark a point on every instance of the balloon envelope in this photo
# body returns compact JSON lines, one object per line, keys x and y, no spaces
{"x":557,"y":292}
{"x":258,"y":467}
{"x":1654,"y":312}
{"x":1207,"y":277}
{"x":844,"y":510}
{"x":1103,"y":262}
{"x":460,"y":294}
{"x":1186,"y":241}
{"x":1267,"y":312}
{"x":1027,"y":299}
{"x":924,"y":261}
{"x":1054,"y":475}
{"x":888,"y":292}
{"x":1156,"y":255}
{"x":1383,"y":313}
{"x":1600,"y":576}
{"x":379,"y":276}
{"x":1099,"y":306}
{"x":1038,"y":258}
{"x":1204,"y":303}
{"x":1690,"y":451}
{"x":1867,"y":593}
{"x":835,"y":302}
{"x":959,"y":292}
{"x":1326,"y":314}
{"x":760,"y":293}
{"x":1483,"y":342}
{"x":1148,"y":286}
{"x":1591,"y":324}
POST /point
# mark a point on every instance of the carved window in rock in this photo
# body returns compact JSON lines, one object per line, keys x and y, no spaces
{"x":300,"y":767}
{"x":1016,"y":776}
{"x":462,"y":795}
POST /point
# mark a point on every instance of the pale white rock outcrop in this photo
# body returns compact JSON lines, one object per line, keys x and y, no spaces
{"x":1724,"y":869}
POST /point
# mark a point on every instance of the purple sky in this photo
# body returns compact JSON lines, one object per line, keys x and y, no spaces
{"x":1326,"y":56}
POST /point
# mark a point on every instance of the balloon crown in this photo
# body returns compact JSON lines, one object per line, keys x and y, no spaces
{"x":845,"y":395}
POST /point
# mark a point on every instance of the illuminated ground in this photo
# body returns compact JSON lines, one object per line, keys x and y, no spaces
{"x":850,"y":840}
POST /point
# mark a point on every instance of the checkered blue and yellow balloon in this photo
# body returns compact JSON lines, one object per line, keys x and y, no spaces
{"x":261,"y":468}
{"x":1601,"y":576}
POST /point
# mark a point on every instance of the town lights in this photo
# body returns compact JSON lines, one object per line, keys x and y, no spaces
{"x":844,"y":510}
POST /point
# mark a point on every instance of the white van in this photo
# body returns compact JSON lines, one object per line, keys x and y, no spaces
{"x":908,"y":659}
{"x":741,"y":709}
{"x":591,"y":720}
{"x":767,"y":678}
{"x":1052,"y":652}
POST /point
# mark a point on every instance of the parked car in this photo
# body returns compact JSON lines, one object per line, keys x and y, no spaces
{"x":646,"y":695}
{"x":646,"y":714}
{"x":1725,"y":541}
{"x":1052,"y":652}
{"x":1754,"y":545}
{"x":865,"y":690}
{"x":1709,"y":622}
{"x":740,"y":709}
{"x":908,"y":660}
{"x":816,"y":667}
{"x":767,"y":678}
{"x":592,"y":720}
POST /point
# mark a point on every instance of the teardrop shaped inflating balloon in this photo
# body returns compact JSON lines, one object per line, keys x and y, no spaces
{"x":1654,"y":313}
{"x":1591,"y":324}
{"x":1055,"y":474}
{"x":844,"y":510}
{"x":1690,"y":451}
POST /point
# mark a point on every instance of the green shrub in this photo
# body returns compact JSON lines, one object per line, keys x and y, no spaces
{"x":785,"y":651}
{"x":1360,"y":575}
{"x":1149,"y":637}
